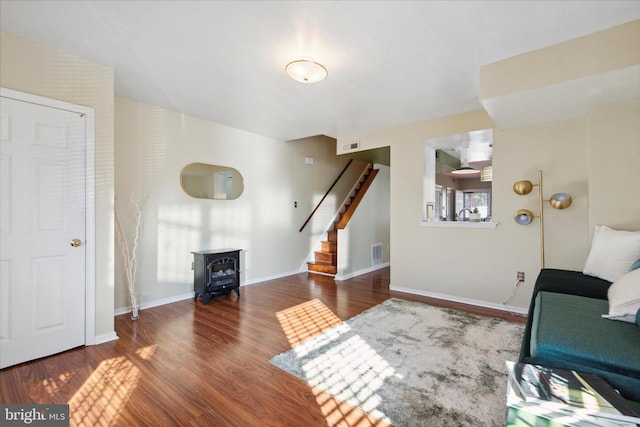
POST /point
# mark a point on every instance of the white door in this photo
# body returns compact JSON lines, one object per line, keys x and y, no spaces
{"x":42,"y":231}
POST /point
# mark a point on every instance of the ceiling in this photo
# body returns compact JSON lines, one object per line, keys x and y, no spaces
{"x":390,"y":62}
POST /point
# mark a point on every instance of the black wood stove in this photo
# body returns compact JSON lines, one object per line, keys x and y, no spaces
{"x":216,"y":272}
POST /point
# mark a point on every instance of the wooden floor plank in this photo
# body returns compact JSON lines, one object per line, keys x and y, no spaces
{"x":208,"y":365}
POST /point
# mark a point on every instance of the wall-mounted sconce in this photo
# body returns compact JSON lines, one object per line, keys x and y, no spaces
{"x":525,"y":216}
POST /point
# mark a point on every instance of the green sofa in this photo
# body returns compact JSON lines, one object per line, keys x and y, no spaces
{"x":565,"y":329}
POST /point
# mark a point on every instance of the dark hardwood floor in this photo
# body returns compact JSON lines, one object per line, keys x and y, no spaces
{"x":191,"y":364}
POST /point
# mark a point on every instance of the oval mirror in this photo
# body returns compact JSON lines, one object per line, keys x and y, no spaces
{"x":205,"y":181}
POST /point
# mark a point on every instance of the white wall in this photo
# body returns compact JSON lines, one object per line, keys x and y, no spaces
{"x":31,"y":67}
{"x":369,"y":225}
{"x":152,"y":147}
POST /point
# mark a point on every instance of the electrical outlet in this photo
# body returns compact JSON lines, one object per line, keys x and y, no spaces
{"x":520,"y":276}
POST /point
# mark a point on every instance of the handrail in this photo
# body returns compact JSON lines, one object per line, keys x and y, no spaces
{"x":348,"y":213}
{"x":325,"y":195}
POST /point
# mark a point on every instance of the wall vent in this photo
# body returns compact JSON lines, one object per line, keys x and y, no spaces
{"x":376,"y":254}
{"x":351,"y":146}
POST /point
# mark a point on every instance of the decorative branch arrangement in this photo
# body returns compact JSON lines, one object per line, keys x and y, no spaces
{"x":129,"y":255}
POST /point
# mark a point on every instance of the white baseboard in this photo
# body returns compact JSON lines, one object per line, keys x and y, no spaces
{"x":155,"y":303}
{"x":169,"y":300}
{"x":267,"y":278}
{"x":190,"y":295}
{"x":479,"y":303}
{"x":100,"y":339}
{"x":361,"y":272}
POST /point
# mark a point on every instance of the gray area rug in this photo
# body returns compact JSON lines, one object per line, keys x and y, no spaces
{"x":412,"y":364}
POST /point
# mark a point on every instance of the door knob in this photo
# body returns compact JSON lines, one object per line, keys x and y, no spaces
{"x":76,"y":242}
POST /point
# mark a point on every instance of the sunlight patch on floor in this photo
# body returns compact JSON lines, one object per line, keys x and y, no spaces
{"x":353,"y":372}
{"x":349,"y":372}
{"x":147,"y":352}
{"x":103,"y":395}
{"x":306,"y":320}
{"x":52,"y":385}
{"x":338,"y":413}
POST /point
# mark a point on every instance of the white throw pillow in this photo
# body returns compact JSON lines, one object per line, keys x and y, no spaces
{"x":612,"y":253}
{"x":624,"y":297}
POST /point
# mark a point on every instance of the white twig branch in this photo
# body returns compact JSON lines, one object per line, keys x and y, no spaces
{"x":129,"y":251}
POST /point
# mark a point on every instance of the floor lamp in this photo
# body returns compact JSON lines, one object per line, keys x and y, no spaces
{"x":525,"y":216}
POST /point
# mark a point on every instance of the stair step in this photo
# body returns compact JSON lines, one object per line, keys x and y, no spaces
{"x":325,"y":257}
{"x":322,"y":268}
{"x":329,"y":247}
{"x":326,"y":260}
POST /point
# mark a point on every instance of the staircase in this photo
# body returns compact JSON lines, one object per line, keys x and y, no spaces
{"x":326,"y":259}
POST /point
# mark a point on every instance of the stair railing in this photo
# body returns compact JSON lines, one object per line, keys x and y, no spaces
{"x":355,"y":201}
{"x":325,"y":195}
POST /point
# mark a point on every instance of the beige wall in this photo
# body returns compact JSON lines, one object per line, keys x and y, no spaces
{"x":152,"y":147}
{"x":576,"y":156}
{"x":593,"y":156}
{"x":415,"y":133}
{"x":564,"y":81}
{"x":34,"y":68}
{"x":368,"y":226}
{"x":598,"y":53}
{"x":613,"y":159}
{"x":558,"y":150}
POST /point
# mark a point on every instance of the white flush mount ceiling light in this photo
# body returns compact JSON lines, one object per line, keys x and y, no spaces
{"x":306,"y":71}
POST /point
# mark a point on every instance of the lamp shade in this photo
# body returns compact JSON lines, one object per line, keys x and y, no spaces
{"x":523,"y":217}
{"x":560,"y":201}
{"x":305,"y":71}
{"x":522,"y":187}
